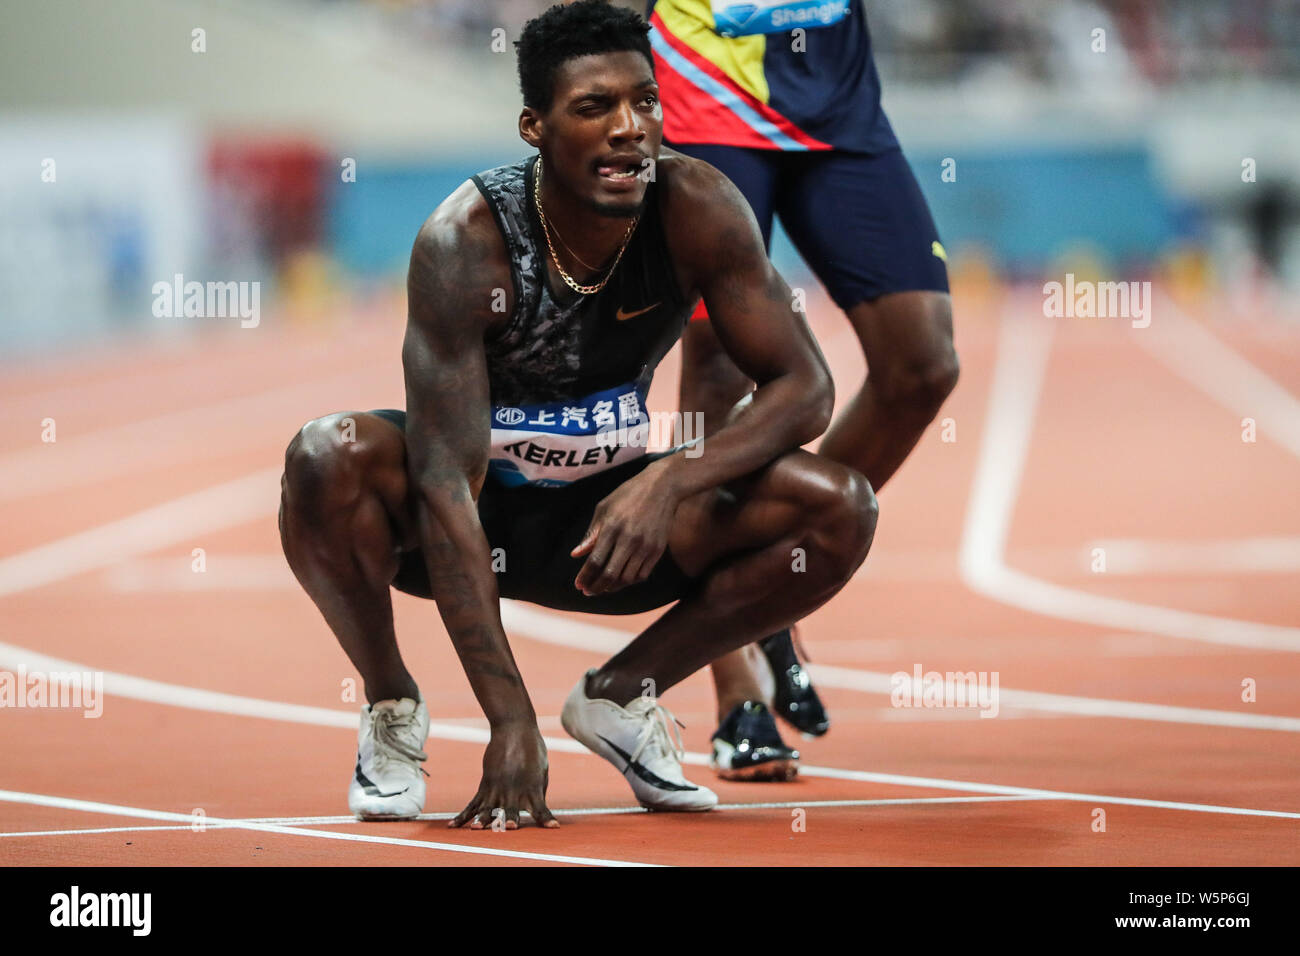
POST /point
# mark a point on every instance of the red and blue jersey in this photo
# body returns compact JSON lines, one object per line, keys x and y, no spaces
{"x":814,"y":90}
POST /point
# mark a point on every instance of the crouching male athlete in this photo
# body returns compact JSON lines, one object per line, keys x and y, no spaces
{"x":542,"y":295}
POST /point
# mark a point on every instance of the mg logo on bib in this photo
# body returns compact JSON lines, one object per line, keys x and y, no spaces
{"x":556,"y":443}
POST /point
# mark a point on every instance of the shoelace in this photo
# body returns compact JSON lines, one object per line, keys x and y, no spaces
{"x":661,"y":730}
{"x":384,"y":731}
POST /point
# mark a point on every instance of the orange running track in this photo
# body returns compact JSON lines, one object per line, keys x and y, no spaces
{"x":227,"y":732}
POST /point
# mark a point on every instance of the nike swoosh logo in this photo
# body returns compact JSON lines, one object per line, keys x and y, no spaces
{"x":621,"y":315}
{"x":369,"y":785}
{"x":648,"y":776}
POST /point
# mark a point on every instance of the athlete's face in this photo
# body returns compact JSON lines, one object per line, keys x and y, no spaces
{"x":600,"y":139}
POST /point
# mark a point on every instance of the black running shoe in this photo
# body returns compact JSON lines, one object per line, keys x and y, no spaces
{"x":748,"y":746}
{"x":795,"y":700}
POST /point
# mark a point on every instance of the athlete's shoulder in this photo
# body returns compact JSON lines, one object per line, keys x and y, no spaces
{"x":695,"y":193}
{"x":685,"y":180}
{"x":464,"y":217}
{"x":703,"y":211}
{"x":459,"y":254}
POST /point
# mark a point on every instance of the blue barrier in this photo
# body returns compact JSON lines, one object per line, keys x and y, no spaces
{"x":1024,"y":206}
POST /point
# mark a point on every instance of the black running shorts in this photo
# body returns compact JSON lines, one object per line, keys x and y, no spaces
{"x":536,"y":528}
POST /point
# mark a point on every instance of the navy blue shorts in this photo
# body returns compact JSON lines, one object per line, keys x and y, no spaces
{"x":860,"y":221}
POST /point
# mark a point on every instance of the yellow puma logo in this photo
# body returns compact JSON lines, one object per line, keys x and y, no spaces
{"x":936,"y":247}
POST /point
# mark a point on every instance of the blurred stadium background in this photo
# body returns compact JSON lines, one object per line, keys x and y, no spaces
{"x":300,"y":144}
{"x":1172,"y":154}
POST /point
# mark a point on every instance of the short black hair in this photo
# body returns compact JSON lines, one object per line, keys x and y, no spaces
{"x":570,"y":30}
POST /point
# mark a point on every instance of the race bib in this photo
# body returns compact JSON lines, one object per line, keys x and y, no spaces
{"x":739,"y":18}
{"x":559,"y":442}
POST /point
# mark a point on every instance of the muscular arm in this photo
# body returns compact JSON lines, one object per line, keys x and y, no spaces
{"x":448,"y":441}
{"x":717,"y":248}
{"x":712,"y":228}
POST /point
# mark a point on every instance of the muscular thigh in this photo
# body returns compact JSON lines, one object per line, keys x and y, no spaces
{"x":379,"y":443}
{"x":754,"y":511}
{"x":904,"y":331}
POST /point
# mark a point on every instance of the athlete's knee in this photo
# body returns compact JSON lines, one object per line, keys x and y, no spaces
{"x":926,"y":385}
{"x":841,"y":518}
{"x":850,"y":520}
{"x":324,"y":467}
{"x":916,"y":381}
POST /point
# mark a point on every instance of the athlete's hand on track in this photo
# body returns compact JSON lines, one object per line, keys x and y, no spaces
{"x":628,"y":534}
{"x":514,"y":779}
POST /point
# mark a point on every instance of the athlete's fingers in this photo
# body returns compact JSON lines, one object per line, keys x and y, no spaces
{"x":464,"y":815}
{"x":512,"y":818}
{"x":595,"y":563}
{"x":650,"y":558}
{"x":626,"y":576}
{"x":587,"y":541}
{"x":646,"y":565}
{"x":613,"y":576}
{"x":587,"y":575}
{"x":542,"y":815}
{"x":485,"y":817}
{"x":592,"y":536}
{"x":636,"y":557}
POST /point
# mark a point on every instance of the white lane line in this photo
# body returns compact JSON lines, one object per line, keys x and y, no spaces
{"x":110,"y":809}
{"x":192,"y":698}
{"x":256,"y":496}
{"x":558,"y":811}
{"x":82,"y":459}
{"x":163,"y":371}
{"x":1278,"y":554}
{"x":1204,"y":360}
{"x":1024,"y":347}
{"x":934,"y":783}
{"x":231,"y":503}
{"x":1264,"y":554}
{"x":545,"y":626}
{"x":211,"y":509}
{"x":881,"y":683}
{"x":91,"y":831}
{"x":223,"y":571}
{"x":783,"y":805}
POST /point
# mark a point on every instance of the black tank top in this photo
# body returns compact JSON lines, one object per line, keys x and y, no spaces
{"x":569,"y":382}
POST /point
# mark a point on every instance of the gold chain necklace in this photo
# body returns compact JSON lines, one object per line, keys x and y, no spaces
{"x":546,"y":230}
{"x":569,"y":249}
